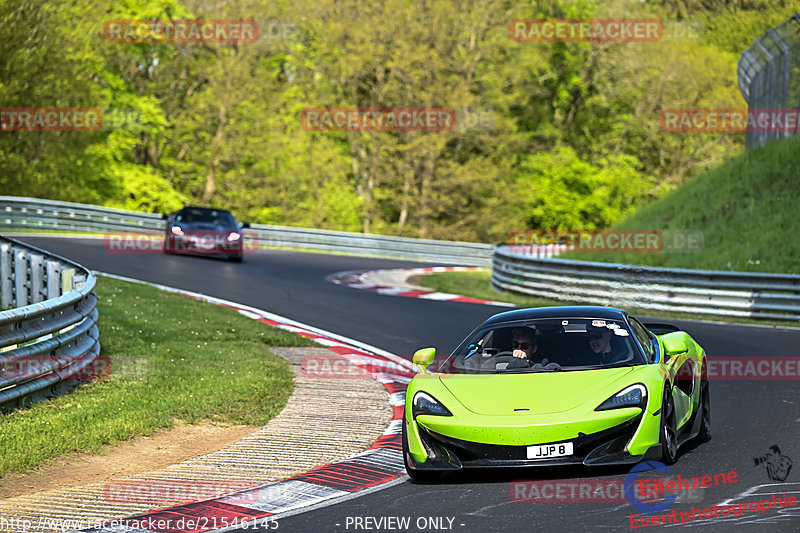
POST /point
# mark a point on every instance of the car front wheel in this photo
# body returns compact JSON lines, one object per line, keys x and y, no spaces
{"x":705,"y":413}
{"x":669,"y":432}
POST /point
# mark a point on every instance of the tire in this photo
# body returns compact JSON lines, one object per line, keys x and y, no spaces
{"x":414,"y":474}
{"x":705,"y":412}
{"x":235,"y":258}
{"x":669,"y":432}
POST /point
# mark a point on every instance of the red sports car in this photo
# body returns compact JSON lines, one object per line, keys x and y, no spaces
{"x":204,"y":231}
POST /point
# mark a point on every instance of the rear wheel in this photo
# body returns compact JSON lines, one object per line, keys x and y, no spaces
{"x":416,"y":475}
{"x":669,"y":432}
{"x":705,"y":413}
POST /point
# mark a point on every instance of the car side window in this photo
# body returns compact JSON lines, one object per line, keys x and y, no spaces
{"x":644,"y":339}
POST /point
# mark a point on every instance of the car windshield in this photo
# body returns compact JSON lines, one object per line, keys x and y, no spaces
{"x":544,"y":345}
{"x":207,"y":216}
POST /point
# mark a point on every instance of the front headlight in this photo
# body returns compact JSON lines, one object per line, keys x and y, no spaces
{"x":425,"y":404}
{"x":633,"y":396}
{"x":176,"y":230}
{"x":234,"y":237}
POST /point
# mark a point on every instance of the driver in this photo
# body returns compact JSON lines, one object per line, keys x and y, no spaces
{"x":524,"y":343}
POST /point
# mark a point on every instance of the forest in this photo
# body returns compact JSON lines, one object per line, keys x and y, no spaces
{"x":558,"y":135}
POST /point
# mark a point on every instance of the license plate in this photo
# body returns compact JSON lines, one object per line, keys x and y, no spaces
{"x":550,"y":450}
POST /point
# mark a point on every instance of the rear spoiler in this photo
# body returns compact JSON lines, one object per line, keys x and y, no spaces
{"x":661,"y":329}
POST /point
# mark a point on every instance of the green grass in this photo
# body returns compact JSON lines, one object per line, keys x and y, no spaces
{"x":477,"y":284}
{"x":172,"y":358}
{"x":747,"y":209}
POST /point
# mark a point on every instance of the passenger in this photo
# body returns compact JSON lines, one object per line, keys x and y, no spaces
{"x":600,"y":343}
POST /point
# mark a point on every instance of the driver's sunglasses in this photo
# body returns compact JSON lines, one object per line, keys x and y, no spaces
{"x":521,"y":345}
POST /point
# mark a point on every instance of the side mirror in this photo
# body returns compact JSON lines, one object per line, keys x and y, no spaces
{"x":424,"y":357}
{"x":165,"y":216}
{"x":245,"y":224}
{"x":674,"y":344}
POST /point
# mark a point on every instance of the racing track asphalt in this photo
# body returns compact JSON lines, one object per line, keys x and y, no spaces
{"x":748,"y":416}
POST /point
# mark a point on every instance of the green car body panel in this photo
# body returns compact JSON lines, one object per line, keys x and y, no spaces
{"x":534,"y":408}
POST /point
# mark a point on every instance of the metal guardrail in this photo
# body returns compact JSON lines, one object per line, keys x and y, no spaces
{"x":715,"y":293}
{"x":769,"y":76}
{"x":706,"y":292}
{"x":48,"y":322}
{"x":33,"y":213}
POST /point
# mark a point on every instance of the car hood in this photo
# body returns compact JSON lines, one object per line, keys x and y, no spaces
{"x":201,"y":227}
{"x":540,"y":392}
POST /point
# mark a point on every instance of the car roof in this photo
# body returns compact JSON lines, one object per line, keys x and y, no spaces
{"x":186,"y":207}
{"x":576,"y":311}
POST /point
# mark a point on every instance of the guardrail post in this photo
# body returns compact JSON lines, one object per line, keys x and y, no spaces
{"x":6,"y":280}
{"x":77,"y":281}
{"x":37,"y":279}
{"x":20,"y":279}
{"x":53,"y":279}
{"x":66,"y":279}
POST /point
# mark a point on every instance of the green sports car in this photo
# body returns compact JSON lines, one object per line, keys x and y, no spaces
{"x":556,"y":386}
